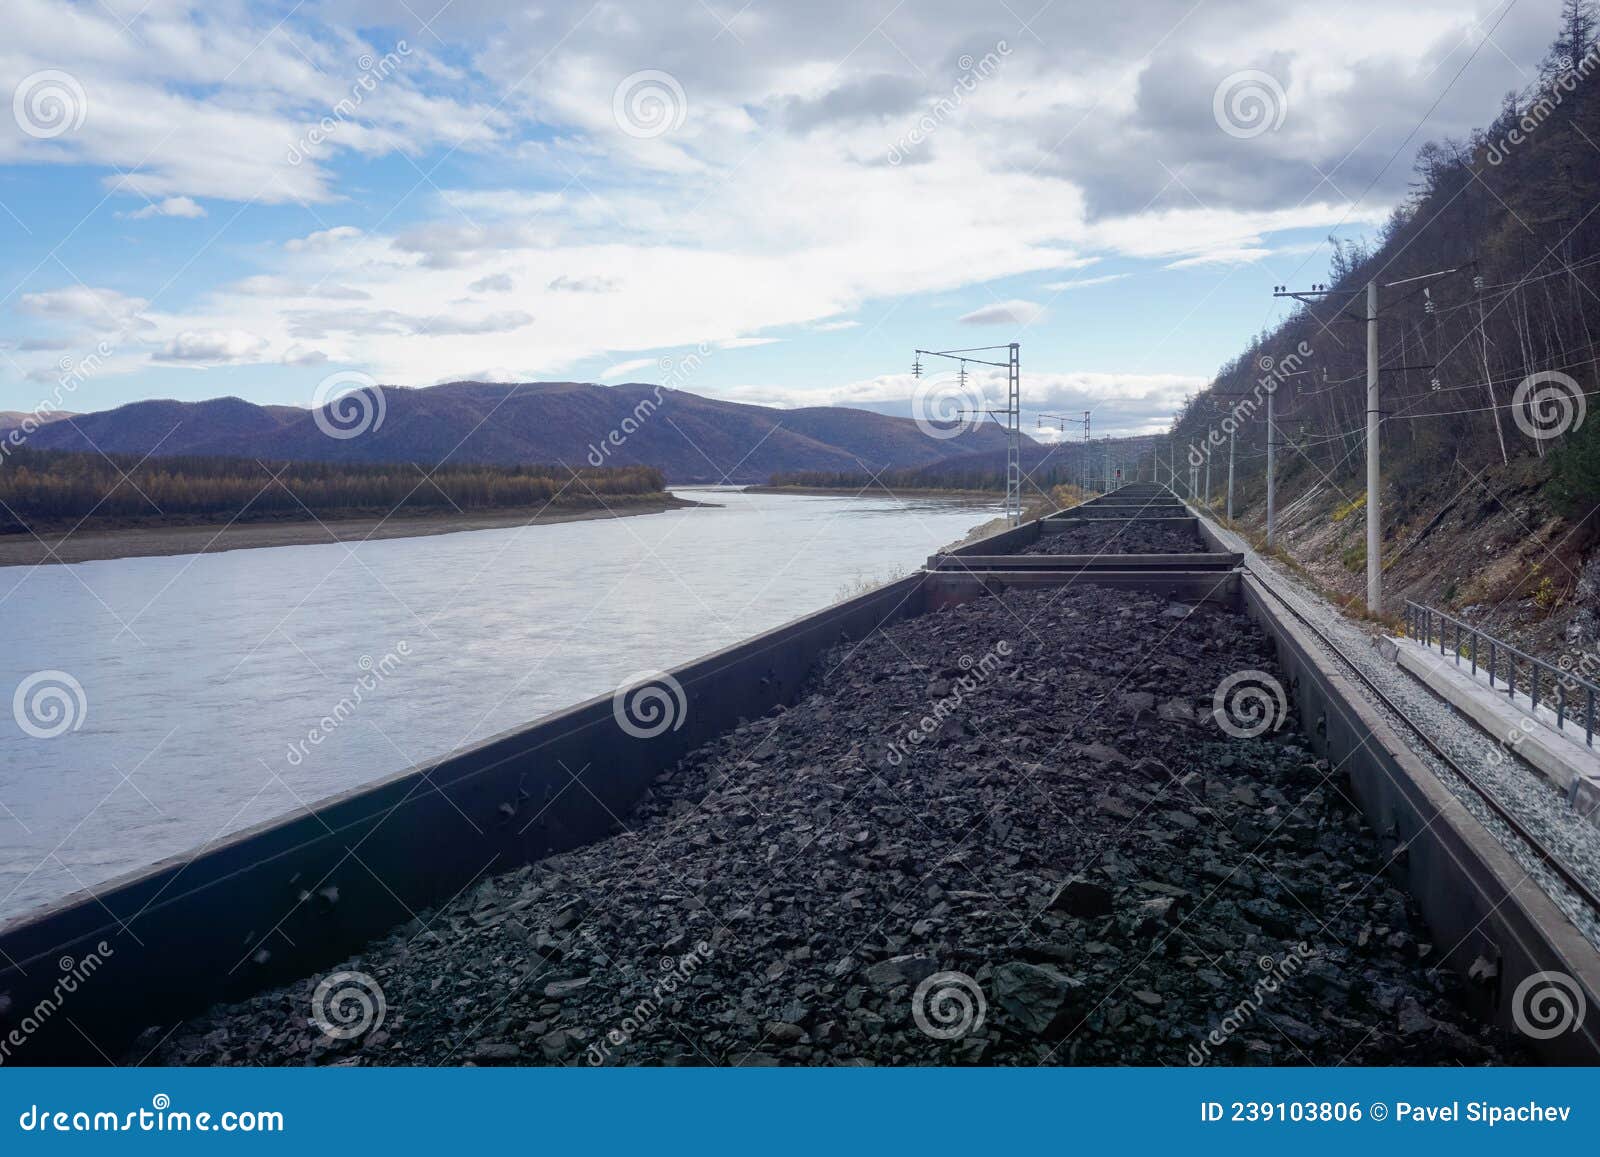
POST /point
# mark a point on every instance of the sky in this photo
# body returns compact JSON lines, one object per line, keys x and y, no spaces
{"x":250,"y":199}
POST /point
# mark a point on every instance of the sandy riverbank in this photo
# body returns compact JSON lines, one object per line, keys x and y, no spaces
{"x":89,"y":545}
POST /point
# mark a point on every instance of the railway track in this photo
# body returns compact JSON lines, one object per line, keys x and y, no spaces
{"x":1538,"y":847}
{"x":1504,"y":877}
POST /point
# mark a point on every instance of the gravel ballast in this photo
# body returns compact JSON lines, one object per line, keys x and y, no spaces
{"x":1538,"y":806}
{"x":1012,"y":832}
{"x":1139,"y":536}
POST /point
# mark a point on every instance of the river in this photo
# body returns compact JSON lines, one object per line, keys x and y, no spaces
{"x":170,"y":701}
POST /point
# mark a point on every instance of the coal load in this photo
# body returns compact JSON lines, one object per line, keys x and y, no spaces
{"x":1134,"y":536}
{"x":1015,"y":832}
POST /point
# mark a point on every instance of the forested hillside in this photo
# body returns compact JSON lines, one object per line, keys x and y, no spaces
{"x":1487,"y":372}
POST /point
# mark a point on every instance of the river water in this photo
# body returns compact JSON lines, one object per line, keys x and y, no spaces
{"x":204,"y":677}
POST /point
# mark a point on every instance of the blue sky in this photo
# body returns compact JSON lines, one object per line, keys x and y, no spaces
{"x":239,"y":198}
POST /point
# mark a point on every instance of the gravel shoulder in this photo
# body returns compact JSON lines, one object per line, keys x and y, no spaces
{"x":1515,"y":785}
{"x":1012,"y":832}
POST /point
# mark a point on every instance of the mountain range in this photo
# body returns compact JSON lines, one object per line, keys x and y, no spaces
{"x":688,"y":437}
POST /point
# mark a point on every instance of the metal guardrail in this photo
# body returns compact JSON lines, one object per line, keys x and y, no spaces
{"x":1419,"y":626}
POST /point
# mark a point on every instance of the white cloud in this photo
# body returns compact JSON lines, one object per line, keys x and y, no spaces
{"x":1236,"y":255}
{"x":272,"y":285}
{"x":1084,"y":282}
{"x":212,"y":347}
{"x":1120,"y":403}
{"x":323,"y":239}
{"x":493,"y":283}
{"x":1004,"y":313}
{"x":626,"y":367}
{"x":566,"y":284}
{"x":107,"y":308}
{"x":298,"y":355}
{"x":188,"y":99}
{"x":170,"y":207}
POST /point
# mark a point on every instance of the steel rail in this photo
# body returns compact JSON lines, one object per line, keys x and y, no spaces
{"x":1568,"y":876}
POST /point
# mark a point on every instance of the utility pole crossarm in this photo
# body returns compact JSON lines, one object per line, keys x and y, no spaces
{"x":1012,"y":414}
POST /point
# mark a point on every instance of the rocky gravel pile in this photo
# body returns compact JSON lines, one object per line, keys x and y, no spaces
{"x":1012,"y":832}
{"x":1140,"y":536}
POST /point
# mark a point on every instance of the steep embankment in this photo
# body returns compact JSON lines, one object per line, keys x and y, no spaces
{"x":1488,"y":293}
